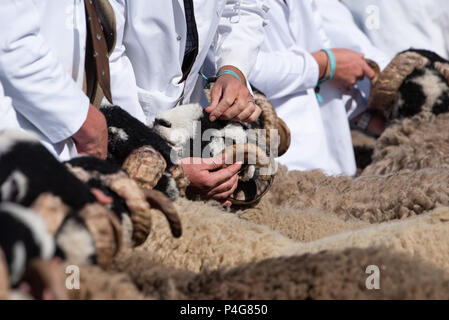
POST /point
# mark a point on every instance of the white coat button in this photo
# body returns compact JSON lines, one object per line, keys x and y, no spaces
{"x":178,"y":38}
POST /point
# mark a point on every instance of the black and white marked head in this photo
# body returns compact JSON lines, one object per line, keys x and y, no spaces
{"x":28,"y":169}
{"x":424,"y":90}
{"x":75,"y":243}
{"x":127,"y":134}
{"x":190,"y":132}
{"x":23,"y":237}
{"x":188,"y":129}
{"x":415,"y":81}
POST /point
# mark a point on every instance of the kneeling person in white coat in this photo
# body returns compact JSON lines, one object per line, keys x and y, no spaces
{"x":160,"y":50}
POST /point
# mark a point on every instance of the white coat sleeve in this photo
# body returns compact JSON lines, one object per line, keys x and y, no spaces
{"x":240,"y":34}
{"x":282,"y":73}
{"x":123,"y":80}
{"x":41,"y":90}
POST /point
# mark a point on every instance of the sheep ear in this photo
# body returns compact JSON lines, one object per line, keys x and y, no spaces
{"x":385,"y":89}
{"x":443,"y":68}
{"x":4,"y":278}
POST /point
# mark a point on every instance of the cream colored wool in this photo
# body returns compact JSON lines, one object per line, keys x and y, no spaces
{"x":300,"y":225}
{"x":213,"y":239}
{"x":425,"y":237}
{"x":416,"y":143}
{"x":372,"y":199}
{"x":325,"y":275}
{"x":98,"y":284}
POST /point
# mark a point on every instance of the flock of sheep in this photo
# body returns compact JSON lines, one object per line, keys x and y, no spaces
{"x":309,"y":237}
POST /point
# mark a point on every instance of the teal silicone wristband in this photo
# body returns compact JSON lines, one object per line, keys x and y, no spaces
{"x":232,"y":73}
{"x":333,"y":65}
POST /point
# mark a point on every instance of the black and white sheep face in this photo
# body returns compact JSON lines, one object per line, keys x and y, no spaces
{"x":75,"y":243}
{"x":28,"y":169}
{"x":415,"y":81}
{"x":423,"y":90}
{"x":14,"y":184}
{"x":190,"y":132}
{"x":23,"y":236}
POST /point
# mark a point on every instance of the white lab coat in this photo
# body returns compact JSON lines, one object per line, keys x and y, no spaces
{"x":287,"y":73}
{"x":398,"y":25}
{"x":343,"y":32}
{"x":151,"y":44}
{"x":41,"y":68}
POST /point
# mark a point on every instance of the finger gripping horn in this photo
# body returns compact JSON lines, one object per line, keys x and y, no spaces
{"x":248,"y":153}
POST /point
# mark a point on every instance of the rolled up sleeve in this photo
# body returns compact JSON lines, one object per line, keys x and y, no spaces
{"x":41,"y":90}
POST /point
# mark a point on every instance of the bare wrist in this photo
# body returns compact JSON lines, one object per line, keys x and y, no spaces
{"x":323,"y":64}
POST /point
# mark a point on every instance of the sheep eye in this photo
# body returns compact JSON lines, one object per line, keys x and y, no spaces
{"x":162,"y":122}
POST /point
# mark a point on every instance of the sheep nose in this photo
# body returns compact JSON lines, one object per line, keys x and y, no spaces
{"x":162,"y":122}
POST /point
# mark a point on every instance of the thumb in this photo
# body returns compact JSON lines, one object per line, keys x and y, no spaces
{"x":216,"y":92}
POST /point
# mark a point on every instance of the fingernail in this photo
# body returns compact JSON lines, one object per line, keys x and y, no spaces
{"x":213,"y":118}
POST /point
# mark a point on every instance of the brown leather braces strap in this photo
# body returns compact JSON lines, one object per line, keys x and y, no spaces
{"x":97,"y":59}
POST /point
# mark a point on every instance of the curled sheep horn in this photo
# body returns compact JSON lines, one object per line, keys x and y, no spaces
{"x":273,"y":124}
{"x":106,"y":231}
{"x":135,"y":200}
{"x":145,"y":166}
{"x":140,"y":201}
{"x":443,"y":68}
{"x":159,"y":201}
{"x":4,"y":278}
{"x":251,"y":191}
{"x":384,"y":90}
